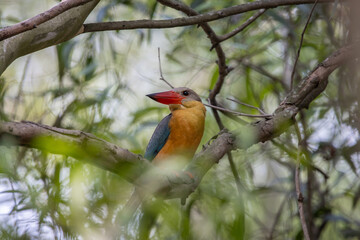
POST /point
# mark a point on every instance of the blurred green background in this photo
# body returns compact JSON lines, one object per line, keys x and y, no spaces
{"x":97,"y":83}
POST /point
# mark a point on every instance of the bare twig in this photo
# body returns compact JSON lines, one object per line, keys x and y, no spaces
{"x":300,"y":198}
{"x":238,"y":113}
{"x":33,"y":22}
{"x":240,"y":28}
{"x":232,"y":116}
{"x":301,"y":42}
{"x":247,"y":105}
{"x":262,"y":71}
{"x":291,"y":154}
{"x":161,"y":75}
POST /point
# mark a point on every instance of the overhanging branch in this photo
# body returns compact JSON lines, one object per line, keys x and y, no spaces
{"x":194,"y":20}
{"x":65,"y":21}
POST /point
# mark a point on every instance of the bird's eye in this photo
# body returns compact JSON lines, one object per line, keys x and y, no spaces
{"x":185,"y":93}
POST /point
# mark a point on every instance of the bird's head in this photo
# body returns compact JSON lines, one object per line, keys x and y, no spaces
{"x":180,"y":95}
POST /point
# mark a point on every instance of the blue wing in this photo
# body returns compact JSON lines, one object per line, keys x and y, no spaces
{"x":158,"y":139}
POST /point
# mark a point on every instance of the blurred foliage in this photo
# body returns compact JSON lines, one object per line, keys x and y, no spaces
{"x":97,"y":82}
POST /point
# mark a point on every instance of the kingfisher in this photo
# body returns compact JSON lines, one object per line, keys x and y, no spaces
{"x":176,"y":137}
{"x":180,"y":132}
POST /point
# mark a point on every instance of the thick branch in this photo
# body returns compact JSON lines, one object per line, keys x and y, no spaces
{"x":54,"y":31}
{"x":132,"y":167}
{"x":76,"y":144}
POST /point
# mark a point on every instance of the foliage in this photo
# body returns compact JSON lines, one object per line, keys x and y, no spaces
{"x":96,"y":82}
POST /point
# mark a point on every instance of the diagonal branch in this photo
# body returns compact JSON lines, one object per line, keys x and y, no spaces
{"x":300,"y":45}
{"x":33,"y":22}
{"x":54,"y":31}
{"x":134,"y":168}
{"x":241,"y":27}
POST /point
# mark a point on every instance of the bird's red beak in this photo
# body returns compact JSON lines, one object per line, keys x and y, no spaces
{"x":168,"y":97}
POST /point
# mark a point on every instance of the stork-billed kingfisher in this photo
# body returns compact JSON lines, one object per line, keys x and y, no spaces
{"x":180,"y":132}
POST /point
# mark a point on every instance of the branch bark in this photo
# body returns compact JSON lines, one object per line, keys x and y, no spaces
{"x":135,"y":168}
{"x":51,"y":32}
{"x":34,"y":22}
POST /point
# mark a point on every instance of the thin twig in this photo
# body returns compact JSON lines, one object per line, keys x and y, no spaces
{"x":248,"y":105}
{"x":300,"y":198}
{"x":277,"y":217}
{"x":238,"y":113}
{"x":240,"y":28}
{"x":216,"y":114}
{"x":232,"y":117}
{"x":239,"y":185}
{"x":161,"y":75}
{"x":291,"y":154}
{"x":301,"y":42}
{"x":20,"y":89}
{"x":262,"y":71}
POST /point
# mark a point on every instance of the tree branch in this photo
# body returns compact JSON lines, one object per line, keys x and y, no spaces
{"x":73,"y":143}
{"x":300,"y":198}
{"x":239,"y":113}
{"x":135,"y":168}
{"x":66,"y":21}
{"x":241,"y":27}
{"x":195,"y":19}
{"x":300,"y":45}
{"x":51,"y":32}
{"x":34,"y":22}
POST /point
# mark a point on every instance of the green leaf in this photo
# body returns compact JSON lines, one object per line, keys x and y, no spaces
{"x":214,"y":77}
{"x":138,"y":115}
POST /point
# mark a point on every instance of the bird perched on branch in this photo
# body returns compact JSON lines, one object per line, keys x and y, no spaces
{"x":180,"y":132}
{"x":175,"y":138}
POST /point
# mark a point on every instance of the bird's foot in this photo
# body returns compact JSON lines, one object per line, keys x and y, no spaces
{"x":182,"y":177}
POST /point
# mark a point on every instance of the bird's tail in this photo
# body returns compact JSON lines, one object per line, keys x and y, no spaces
{"x":130,"y":207}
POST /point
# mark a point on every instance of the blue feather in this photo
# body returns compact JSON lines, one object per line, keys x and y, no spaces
{"x":158,"y":139}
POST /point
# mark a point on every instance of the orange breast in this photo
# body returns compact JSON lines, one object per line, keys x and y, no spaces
{"x":186,"y":130}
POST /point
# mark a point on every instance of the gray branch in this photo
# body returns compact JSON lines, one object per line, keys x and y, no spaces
{"x":58,"y":29}
{"x":34,"y":22}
